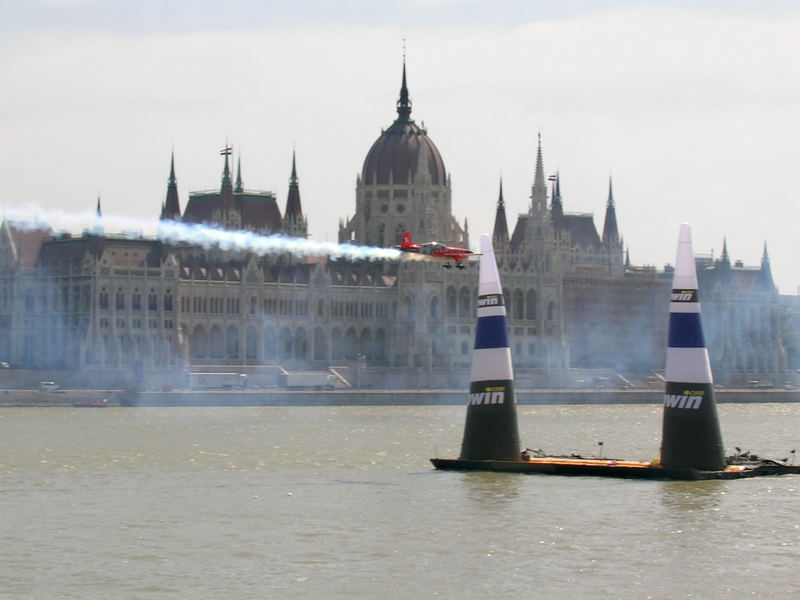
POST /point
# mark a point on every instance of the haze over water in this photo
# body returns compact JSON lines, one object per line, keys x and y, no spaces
{"x":342,"y":502}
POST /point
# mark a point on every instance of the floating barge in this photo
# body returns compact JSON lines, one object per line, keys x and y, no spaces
{"x":691,"y":443}
{"x":622,"y":469}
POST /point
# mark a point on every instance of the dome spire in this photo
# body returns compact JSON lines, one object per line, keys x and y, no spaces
{"x":404,"y":103}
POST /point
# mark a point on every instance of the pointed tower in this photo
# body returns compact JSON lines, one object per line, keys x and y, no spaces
{"x":225,"y":212}
{"x":171,"y":209}
{"x":226,"y":188}
{"x":539,"y":189}
{"x":725,"y":261}
{"x":294,"y":224}
{"x":500,"y":234}
{"x":238,"y":188}
{"x":691,"y":435}
{"x":491,"y":431}
{"x":610,"y":231}
{"x":765,"y":277}
{"x":404,"y":102}
{"x":98,"y":229}
{"x":557,"y":208}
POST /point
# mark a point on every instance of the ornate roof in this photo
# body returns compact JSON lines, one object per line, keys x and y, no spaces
{"x":394,"y":156}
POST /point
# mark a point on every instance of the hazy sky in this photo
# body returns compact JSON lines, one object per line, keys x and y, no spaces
{"x":692,"y":107}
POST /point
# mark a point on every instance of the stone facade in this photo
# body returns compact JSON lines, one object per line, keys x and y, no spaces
{"x":576,"y":307}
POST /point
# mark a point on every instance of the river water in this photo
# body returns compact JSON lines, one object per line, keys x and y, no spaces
{"x":341,"y":502}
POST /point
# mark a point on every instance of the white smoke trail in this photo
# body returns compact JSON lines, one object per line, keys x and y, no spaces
{"x":174,"y":232}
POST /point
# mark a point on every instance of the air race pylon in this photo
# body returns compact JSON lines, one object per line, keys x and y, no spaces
{"x":490,"y":432}
{"x":691,"y":435}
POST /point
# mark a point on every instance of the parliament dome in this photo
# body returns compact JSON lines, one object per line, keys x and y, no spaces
{"x":394,"y":156}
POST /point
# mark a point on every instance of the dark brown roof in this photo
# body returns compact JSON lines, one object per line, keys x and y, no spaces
{"x":581,"y":230}
{"x":124,"y":252}
{"x":396,"y":151}
{"x":259,"y":210}
{"x":28,"y":243}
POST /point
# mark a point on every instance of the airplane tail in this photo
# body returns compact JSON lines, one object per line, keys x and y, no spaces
{"x":406,"y":241}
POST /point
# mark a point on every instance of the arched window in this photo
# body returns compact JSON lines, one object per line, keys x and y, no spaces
{"x":198,"y":343}
{"x":270,"y":344}
{"x":518,"y":304}
{"x":530,"y":306}
{"x":320,"y":345}
{"x":285,"y":344}
{"x":408,"y":302}
{"x":380,"y":345}
{"x":300,"y":344}
{"x":434,"y":311}
{"x":215,"y":342}
{"x":350,"y":344}
{"x":251,"y":343}
{"x":451,"y":302}
{"x":337,"y":345}
{"x":464,"y":304}
{"x":365,"y":344}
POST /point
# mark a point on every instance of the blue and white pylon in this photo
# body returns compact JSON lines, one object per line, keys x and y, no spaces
{"x":490,"y":432}
{"x":691,"y":435}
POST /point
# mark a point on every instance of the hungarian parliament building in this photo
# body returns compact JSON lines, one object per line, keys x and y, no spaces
{"x":110,"y":309}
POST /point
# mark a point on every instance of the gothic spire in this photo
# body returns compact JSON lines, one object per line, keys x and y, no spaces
{"x":293,"y":221}
{"x":539,"y":190}
{"x":404,"y":103}
{"x":293,"y":206}
{"x":557,"y":208}
{"x":226,"y":189}
{"x":238,"y":188}
{"x":171,"y":209}
{"x":725,"y":259}
{"x":500,"y":234}
{"x":766,"y":270}
{"x":98,"y":213}
{"x":610,"y":231}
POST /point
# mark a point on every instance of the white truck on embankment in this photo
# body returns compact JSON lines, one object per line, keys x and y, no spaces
{"x":218,"y":381}
{"x":310,"y":380}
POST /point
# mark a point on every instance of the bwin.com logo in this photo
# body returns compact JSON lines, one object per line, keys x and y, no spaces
{"x":490,"y":396}
{"x":689,"y":399}
{"x":683,"y":296}
{"x":490,"y":300}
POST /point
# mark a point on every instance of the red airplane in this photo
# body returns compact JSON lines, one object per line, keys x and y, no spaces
{"x":437,"y":251}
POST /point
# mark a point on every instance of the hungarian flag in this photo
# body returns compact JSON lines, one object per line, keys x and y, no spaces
{"x":552,"y":178}
{"x":226,"y":151}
